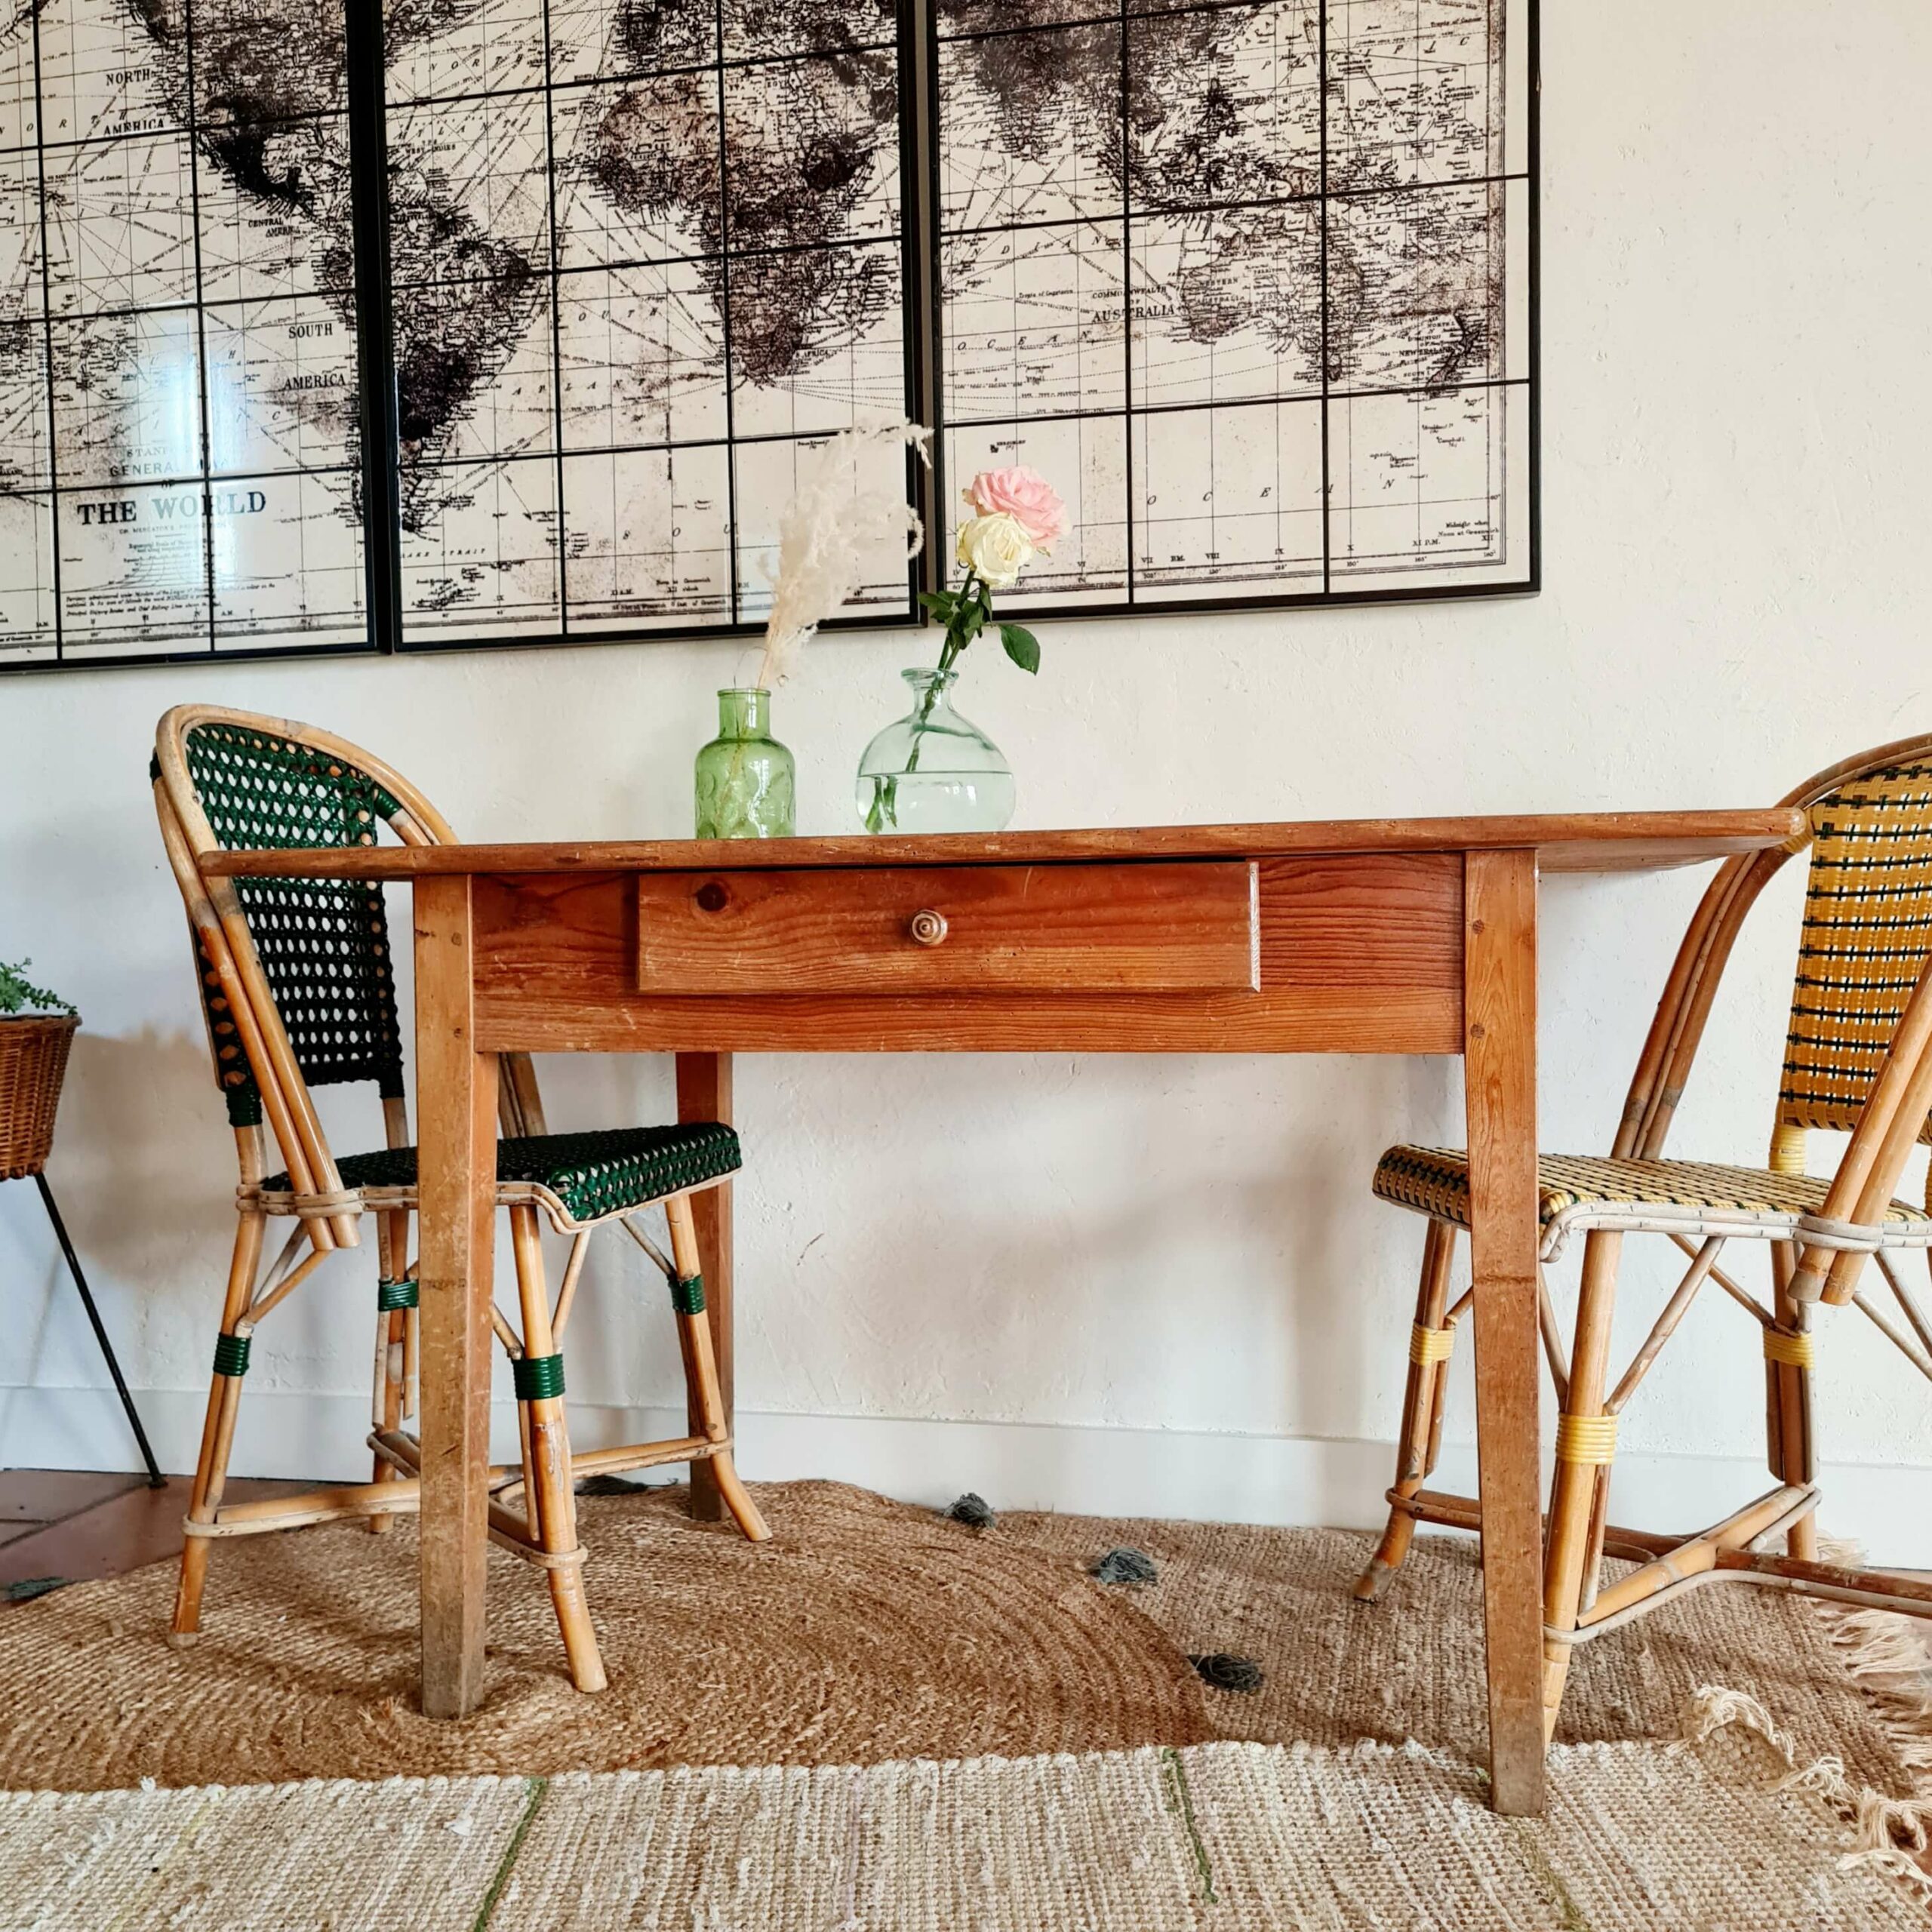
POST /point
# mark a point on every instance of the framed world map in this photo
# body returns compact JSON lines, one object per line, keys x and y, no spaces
{"x":498,"y":321}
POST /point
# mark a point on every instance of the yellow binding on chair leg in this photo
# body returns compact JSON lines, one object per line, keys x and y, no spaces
{"x":1857,"y":1062}
{"x":1422,"y":1407}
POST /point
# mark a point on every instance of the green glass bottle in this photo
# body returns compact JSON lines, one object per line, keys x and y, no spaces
{"x":745,"y":777}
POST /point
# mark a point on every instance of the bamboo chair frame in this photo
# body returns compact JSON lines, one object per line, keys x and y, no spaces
{"x":532,"y":1509}
{"x":1817,"y":1260}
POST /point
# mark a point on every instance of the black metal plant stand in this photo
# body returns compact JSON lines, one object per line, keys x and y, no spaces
{"x":156,"y":1479}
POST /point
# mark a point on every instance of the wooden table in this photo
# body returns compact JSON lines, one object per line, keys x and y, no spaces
{"x":1378,"y":936}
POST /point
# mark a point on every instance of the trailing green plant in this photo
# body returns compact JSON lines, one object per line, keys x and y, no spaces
{"x":18,"y":994}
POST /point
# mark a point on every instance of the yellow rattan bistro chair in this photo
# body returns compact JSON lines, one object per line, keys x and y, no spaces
{"x":298,"y":991}
{"x":1858,"y":1059}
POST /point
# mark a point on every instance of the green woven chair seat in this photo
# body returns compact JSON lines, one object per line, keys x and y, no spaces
{"x":592,"y":1175}
{"x":1583,"y":1191}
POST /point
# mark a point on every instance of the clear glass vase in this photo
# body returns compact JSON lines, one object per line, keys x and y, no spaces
{"x":745,"y":778}
{"x":933,"y":770}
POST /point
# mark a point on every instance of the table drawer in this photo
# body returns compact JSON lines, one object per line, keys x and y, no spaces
{"x":1180,"y":927}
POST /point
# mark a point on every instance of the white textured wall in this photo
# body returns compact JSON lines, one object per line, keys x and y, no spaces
{"x":1736,"y":285}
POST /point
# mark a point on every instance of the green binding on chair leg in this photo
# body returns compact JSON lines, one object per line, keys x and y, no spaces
{"x":392,"y":1295}
{"x":687,"y":1298}
{"x":230,"y":1354}
{"x":536,"y":1377}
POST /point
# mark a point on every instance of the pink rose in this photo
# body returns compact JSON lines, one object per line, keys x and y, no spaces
{"x":1024,"y":495}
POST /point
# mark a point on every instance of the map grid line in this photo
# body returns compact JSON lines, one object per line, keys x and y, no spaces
{"x":1129,"y":524}
{"x":47,"y":346}
{"x":732,"y":530}
{"x":919,"y":257}
{"x":556,"y":346}
{"x":1327,"y":498}
{"x":206,"y":483}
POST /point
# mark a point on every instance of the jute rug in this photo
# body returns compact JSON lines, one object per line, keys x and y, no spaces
{"x":1856,"y":1687}
{"x":865,"y":1630}
{"x":868,"y":1630}
{"x":961,"y":1728}
{"x":1243,"y":1837}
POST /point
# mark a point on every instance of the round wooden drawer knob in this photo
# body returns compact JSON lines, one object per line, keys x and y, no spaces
{"x":928,"y":928}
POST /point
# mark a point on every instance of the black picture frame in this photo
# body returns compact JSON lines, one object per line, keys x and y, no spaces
{"x":927,"y":485}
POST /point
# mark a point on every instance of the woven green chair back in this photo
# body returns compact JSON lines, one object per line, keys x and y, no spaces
{"x":1868,"y":928}
{"x":323,"y":943}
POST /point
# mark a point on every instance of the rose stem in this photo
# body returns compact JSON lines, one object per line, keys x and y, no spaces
{"x":948,"y":654}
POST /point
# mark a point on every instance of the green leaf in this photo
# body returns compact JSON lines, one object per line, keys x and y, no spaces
{"x":938,"y":602}
{"x":18,"y":994}
{"x":1022,"y":646}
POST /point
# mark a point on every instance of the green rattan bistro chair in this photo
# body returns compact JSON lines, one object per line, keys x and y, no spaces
{"x":298,"y":991}
{"x":1858,"y":1060}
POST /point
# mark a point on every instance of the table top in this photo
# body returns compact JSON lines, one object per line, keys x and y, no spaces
{"x":1564,"y":842}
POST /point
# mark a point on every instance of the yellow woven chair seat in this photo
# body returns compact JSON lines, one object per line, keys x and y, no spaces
{"x":1576,"y":1191}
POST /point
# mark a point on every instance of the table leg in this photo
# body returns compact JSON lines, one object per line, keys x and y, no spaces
{"x":456,"y":1103}
{"x":704,"y":1092}
{"x":1499,"y":1068}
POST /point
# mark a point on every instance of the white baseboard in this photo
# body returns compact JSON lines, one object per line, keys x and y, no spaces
{"x":1082,"y":1471}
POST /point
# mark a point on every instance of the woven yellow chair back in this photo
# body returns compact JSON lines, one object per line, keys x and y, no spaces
{"x":1868,"y":928}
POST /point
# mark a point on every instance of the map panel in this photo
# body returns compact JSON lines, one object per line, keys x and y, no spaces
{"x":1415,"y":482}
{"x":451,"y":50}
{"x":1085,"y":457}
{"x":648,"y":536}
{"x":486,"y":559}
{"x":1250,"y":281}
{"x":277,"y":219}
{"x":281,"y":387}
{"x":661,"y":244}
{"x":1227,"y":309}
{"x":21,"y":254}
{"x":28,"y":634}
{"x":616,"y":202}
{"x":1033,"y":325}
{"x":1228,"y":493}
{"x":24,"y":418}
{"x":1425,"y":93}
{"x":179,"y":437}
{"x":768,"y":475}
{"x":20,"y":100}
{"x":1273,"y":259}
{"x":127,"y":399}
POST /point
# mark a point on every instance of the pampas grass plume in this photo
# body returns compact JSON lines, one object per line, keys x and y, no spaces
{"x":830,"y":529}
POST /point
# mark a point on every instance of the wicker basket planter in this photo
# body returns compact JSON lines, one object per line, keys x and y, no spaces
{"x":33,"y":1060}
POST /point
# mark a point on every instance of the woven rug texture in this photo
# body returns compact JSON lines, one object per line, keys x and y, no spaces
{"x":866,"y":1630}
{"x":1411,"y":1666}
{"x":955,"y":1727}
{"x":1244,"y":1837}
{"x":863,"y":1630}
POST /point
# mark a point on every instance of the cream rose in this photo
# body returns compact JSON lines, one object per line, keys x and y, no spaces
{"x":1026,"y":497}
{"x":996,"y":549}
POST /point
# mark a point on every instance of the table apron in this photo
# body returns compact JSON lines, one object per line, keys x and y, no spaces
{"x":1359,"y":953}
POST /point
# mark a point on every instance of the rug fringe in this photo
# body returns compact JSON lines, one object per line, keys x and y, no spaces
{"x":1890,"y":1658}
{"x":1889,"y":1835}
